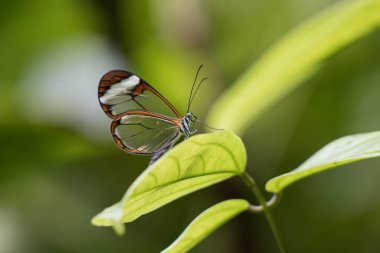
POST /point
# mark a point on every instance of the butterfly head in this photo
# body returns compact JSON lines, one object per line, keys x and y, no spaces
{"x":191,"y":117}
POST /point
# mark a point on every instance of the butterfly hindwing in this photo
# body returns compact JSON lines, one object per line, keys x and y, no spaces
{"x":121,"y":91}
{"x":142,"y":132}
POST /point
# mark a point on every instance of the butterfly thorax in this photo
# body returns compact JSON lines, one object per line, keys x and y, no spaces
{"x":186,"y":128}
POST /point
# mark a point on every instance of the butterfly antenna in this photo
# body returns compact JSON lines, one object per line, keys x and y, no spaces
{"x":219,"y":129}
{"x":199,"y":85}
{"x":192,"y":87}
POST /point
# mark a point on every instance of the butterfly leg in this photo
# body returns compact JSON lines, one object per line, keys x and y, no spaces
{"x":159,"y":153}
{"x":169,"y":144}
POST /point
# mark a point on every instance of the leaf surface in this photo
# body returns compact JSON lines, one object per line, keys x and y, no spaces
{"x":206,"y":223}
{"x":345,"y":150}
{"x":196,"y":163}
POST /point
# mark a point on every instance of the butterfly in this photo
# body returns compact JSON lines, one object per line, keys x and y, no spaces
{"x":144,"y":121}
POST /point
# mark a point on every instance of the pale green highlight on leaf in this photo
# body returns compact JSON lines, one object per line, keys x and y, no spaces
{"x":295,"y":57}
{"x":196,"y":163}
{"x":206,"y":223}
{"x":345,"y":150}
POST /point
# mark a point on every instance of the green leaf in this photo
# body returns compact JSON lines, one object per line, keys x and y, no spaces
{"x":206,"y":223}
{"x":292,"y":59}
{"x":196,"y":163}
{"x":345,"y":150}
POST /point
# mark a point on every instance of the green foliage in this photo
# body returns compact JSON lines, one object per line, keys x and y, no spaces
{"x":32,"y":31}
{"x":345,"y":150}
{"x":207,"y":159}
{"x":292,"y":59}
{"x":196,"y":163}
{"x":207,"y":222}
{"x":55,"y":147}
{"x":62,"y":165}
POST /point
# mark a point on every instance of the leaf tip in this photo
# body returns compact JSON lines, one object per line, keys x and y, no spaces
{"x":111,"y":216}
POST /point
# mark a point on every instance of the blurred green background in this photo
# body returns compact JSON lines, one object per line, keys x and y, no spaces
{"x":59,"y":166}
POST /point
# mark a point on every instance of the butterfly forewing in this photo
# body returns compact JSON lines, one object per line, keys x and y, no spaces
{"x":144,"y":132}
{"x":121,"y":91}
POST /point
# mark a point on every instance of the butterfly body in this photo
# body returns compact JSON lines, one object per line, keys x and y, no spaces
{"x":185,"y":126}
{"x":144,"y":122}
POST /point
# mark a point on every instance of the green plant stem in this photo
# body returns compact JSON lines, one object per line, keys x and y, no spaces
{"x":250,"y":182}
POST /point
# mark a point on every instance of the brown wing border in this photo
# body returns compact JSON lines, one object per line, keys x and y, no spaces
{"x":115,"y":76}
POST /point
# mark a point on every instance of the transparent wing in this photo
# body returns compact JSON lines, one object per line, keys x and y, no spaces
{"x":142,"y":132}
{"x":121,"y":91}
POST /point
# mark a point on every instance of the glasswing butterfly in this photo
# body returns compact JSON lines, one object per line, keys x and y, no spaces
{"x":144,"y":122}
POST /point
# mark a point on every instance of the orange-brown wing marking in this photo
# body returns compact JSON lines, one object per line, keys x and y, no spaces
{"x":143,"y":132}
{"x":121,"y":91}
{"x":108,"y":79}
